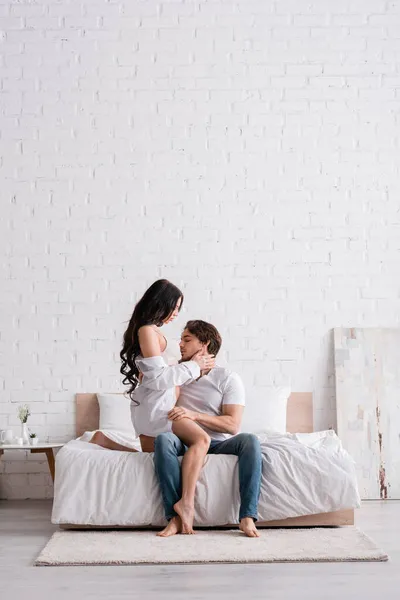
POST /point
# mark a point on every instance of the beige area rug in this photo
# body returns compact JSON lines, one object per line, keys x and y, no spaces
{"x":228,"y":546}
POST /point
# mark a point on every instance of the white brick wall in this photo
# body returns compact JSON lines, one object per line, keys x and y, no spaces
{"x":247,"y":150}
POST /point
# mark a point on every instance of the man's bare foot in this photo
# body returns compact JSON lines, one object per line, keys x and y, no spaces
{"x":248,"y":527}
{"x":173,"y":527}
{"x":186,"y":513}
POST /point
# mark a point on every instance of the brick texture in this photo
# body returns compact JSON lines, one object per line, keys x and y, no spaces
{"x":246,"y":150}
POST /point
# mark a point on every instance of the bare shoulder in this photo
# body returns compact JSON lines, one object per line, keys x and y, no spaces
{"x":146,"y":332}
{"x":149,"y":341}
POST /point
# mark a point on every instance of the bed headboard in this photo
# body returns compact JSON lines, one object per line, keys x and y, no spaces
{"x":299,"y":413}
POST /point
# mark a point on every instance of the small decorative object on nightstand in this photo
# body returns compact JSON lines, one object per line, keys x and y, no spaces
{"x":6,"y":436}
{"x":23,"y":414}
{"x":33,"y":439}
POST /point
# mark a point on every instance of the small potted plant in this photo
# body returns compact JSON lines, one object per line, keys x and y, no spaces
{"x":33,"y":439}
{"x":23,"y":414}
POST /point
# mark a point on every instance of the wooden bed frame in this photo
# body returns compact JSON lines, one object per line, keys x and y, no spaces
{"x":299,"y":420}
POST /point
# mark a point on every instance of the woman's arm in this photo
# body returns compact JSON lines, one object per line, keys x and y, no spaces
{"x":149,"y":345}
{"x":149,"y":341}
{"x":156,"y":374}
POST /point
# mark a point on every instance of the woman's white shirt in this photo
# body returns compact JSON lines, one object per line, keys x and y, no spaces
{"x":156,"y":392}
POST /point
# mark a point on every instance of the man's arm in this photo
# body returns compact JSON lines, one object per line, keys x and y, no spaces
{"x":228,"y":422}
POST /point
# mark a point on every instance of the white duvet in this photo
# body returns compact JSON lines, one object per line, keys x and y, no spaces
{"x":302,"y":474}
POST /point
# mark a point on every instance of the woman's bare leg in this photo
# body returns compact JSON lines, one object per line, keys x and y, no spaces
{"x":102,"y":440}
{"x":198,"y":441}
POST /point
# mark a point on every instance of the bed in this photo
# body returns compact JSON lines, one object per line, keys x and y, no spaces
{"x":308,"y":479}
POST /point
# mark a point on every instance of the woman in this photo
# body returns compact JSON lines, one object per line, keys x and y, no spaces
{"x":153,"y":384}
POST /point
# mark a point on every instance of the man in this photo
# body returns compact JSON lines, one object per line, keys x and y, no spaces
{"x":215,"y":401}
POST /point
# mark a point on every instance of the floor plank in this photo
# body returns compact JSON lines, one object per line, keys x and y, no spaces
{"x":25,"y":528}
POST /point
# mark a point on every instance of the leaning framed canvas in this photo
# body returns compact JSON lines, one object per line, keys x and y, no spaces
{"x":367,"y":370}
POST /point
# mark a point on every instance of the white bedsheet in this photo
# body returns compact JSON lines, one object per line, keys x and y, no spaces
{"x":302,"y":474}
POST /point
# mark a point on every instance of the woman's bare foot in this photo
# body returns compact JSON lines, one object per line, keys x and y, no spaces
{"x":186,"y":513}
{"x":248,"y":527}
{"x":173,"y":527}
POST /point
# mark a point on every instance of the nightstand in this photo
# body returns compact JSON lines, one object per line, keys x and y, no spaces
{"x":47,"y":449}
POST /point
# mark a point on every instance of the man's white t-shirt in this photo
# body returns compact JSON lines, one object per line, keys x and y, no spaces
{"x":209,"y":393}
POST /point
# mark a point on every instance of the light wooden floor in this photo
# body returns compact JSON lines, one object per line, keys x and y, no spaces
{"x":25,"y":528}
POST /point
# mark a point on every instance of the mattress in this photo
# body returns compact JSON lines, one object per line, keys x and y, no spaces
{"x":303,"y":474}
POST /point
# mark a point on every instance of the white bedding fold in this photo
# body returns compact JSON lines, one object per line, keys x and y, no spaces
{"x":302,"y":474}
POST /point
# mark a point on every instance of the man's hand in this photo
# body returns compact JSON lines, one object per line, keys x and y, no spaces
{"x":178,"y":413}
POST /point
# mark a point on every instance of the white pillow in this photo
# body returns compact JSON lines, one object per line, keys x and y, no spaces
{"x":268,"y":412}
{"x":115,"y":414}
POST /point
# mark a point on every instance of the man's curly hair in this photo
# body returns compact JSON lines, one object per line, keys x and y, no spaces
{"x":205,"y":332}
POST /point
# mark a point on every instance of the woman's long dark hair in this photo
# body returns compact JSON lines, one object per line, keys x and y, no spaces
{"x":156,"y":305}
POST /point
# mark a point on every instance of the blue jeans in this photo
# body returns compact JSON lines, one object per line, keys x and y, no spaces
{"x":168,"y":470}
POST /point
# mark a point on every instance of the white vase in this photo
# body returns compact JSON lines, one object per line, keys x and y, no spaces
{"x":25,"y":433}
{"x":34,"y":441}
